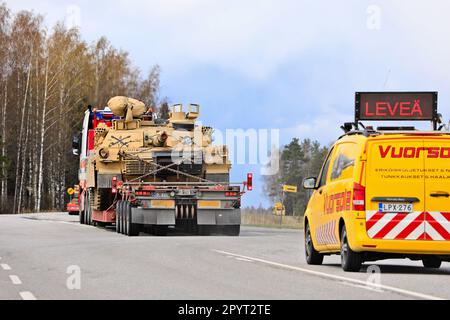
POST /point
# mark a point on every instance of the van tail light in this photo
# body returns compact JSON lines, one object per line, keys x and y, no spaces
{"x":250,"y":182}
{"x":359,"y":197}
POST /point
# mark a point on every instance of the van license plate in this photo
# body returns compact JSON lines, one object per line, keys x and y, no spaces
{"x":396,"y":207}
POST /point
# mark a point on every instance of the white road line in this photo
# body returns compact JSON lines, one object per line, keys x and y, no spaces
{"x":15,"y":280}
{"x":5,"y":266}
{"x":26,"y":295}
{"x":244,"y":260}
{"x":363,"y":284}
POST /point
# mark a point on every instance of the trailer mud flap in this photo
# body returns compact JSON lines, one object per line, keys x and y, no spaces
{"x":156,"y":217}
{"x":219,"y":217}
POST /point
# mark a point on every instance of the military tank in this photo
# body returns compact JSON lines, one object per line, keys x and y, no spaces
{"x":141,"y":173}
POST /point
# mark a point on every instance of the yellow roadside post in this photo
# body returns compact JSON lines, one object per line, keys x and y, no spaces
{"x":70,"y":192}
{"x":290,"y":189}
{"x":287,"y":189}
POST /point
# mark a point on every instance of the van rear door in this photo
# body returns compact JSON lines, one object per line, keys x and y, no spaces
{"x":395,"y":193}
{"x":437,"y":189}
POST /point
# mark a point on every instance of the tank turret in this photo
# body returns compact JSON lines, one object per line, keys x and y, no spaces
{"x":134,"y":147}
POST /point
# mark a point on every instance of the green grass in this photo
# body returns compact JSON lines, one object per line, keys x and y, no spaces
{"x":271,"y":221}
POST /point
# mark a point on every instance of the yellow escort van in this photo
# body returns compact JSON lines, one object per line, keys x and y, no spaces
{"x":383,"y":193}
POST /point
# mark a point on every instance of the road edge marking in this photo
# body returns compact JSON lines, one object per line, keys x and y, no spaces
{"x":26,"y":295}
{"x":365,"y":285}
{"x":15,"y":280}
{"x":5,"y":267}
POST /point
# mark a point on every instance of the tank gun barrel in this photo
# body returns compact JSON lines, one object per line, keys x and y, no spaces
{"x":160,"y":139}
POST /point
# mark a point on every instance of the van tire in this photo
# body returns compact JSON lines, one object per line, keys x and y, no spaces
{"x":351,"y":261}
{"x":432,"y":262}
{"x":313,"y":257}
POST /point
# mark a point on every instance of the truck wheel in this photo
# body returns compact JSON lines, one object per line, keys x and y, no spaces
{"x":432,"y":262}
{"x":232,"y":231}
{"x":126,"y":225}
{"x":117,"y":216}
{"x":81,"y":217}
{"x":351,"y":261}
{"x":313,"y":257}
{"x":87,"y":208}
{"x":132,"y":228}
{"x":121,"y":227}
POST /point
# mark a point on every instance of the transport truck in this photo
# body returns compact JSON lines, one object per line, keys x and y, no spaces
{"x":140,"y":173}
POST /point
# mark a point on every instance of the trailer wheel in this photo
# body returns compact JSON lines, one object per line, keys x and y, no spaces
{"x":204,"y":230}
{"x":232,"y":231}
{"x":121,"y":227}
{"x":126,"y":226}
{"x":87,"y":208}
{"x":160,"y":231}
{"x":132,"y":228}
{"x":85,"y":213}
{"x":82,"y":215}
{"x":119,"y":203}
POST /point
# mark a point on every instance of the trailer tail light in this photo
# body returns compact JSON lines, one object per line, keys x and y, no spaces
{"x":231,"y":194}
{"x":250,"y":182}
{"x":143,"y":193}
{"x":359,"y":197}
{"x":114,"y":185}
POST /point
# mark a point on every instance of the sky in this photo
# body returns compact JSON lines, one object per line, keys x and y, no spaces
{"x":291,"y":65}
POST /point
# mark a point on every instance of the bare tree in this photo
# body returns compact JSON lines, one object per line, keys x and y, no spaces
{"x":47,"y":80}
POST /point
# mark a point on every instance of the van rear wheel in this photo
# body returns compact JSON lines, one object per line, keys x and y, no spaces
{"x":432,"y":262}
{"x":351,"y":261}
{"x":313,"y":257}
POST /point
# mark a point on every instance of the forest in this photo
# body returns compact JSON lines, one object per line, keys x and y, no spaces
{"x":48,"y":78}
{"x":298,"y":160}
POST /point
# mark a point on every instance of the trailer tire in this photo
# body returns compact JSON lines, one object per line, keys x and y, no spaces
{"x":132,"y":228}
{"x":232,"y":231}
{"x":87,"y":208}
{"x":119,"y":203}
{"x":126,"y":226}
{"x":204,"y":230}
{"x":160,"y":231}
{"x":121,"y":228}
{"x":82,"y":218}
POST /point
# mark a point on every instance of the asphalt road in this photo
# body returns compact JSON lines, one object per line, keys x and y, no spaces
{"x":41,"y":254}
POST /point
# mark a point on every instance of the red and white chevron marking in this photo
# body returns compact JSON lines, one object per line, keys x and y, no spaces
{"x":432,"y":226}
{"x":326,"y":235}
